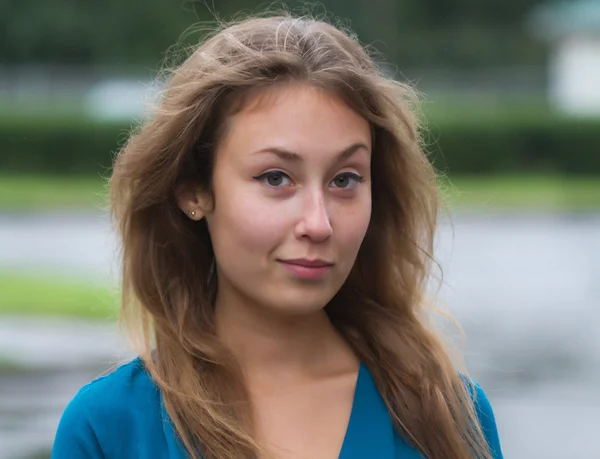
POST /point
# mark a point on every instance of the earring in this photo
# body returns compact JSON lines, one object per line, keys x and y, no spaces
{"x":193,"y":213}
{"x":186,"y":211}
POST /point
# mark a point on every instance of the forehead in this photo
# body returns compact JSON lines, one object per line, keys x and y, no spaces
{"x":296,"y":117}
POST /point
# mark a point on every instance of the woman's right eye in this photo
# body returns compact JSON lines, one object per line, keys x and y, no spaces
{"x":275,"y":179}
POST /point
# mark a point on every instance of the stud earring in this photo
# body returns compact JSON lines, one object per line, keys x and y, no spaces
{"x":193,"y":213}
{"x":186,"y":211}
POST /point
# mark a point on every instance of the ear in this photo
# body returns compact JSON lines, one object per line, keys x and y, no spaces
{"x":193,"y":200}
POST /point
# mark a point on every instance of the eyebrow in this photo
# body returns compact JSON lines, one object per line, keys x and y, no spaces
{"x":295,"y":157}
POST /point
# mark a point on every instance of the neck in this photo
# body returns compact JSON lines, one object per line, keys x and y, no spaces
{"x":269,"y":345}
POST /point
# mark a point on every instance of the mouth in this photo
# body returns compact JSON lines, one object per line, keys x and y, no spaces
{"x":315,"y":263}
{"x":307,"y":269}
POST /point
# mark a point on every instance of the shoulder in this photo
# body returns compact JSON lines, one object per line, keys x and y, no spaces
{"x":487,"y":419}
{"x":107,"y":408}
{"x":117,"y":393}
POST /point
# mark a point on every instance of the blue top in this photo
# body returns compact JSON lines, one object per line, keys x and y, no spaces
{"x":121,"y":416}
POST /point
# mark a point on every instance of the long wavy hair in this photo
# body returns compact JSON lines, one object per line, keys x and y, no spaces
{"x":168,"y":276}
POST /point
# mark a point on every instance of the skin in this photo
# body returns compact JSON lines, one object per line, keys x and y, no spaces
{"x":312,"y":200}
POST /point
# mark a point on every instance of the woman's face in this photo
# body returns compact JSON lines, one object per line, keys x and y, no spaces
{"x":292,"y":200}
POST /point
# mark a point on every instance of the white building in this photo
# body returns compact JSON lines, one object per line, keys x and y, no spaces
{"x":573,"y":30}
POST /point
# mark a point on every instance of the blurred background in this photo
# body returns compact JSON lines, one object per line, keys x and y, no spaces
{"x":511,"y":94}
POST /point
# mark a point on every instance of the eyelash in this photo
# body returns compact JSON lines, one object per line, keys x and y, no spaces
{"x":275,"y":173}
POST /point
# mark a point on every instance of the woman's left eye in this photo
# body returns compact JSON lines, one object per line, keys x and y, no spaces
{"x":346,"y":180}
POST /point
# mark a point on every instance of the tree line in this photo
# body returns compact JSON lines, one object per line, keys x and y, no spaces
{"x":410,"y":33}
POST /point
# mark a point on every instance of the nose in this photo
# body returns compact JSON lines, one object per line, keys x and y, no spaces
{"x":314,"y":223}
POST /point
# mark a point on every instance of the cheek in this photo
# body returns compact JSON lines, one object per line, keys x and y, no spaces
{"x":244,"y":224}
{"x":352,"y":223}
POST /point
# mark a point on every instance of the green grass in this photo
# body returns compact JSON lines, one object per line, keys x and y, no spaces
{"x":31,"y":192}
{"x":504,"y":192}
{"x":8,"y":365}
{"x":540,"y":193}
{"x":544,"y":193}
{"x":42,"y":294}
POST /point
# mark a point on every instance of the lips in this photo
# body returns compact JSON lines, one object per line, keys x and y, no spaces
{"x":307,"y":269}
{"x":308,"y":263}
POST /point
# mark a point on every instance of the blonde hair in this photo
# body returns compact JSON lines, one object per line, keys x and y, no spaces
{"x":168,"y":289}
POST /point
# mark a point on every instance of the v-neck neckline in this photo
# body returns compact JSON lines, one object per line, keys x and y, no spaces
{"x":369,"y":432}
{"x":353,"y":411}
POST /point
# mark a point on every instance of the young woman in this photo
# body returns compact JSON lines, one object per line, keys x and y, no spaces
{"x":277,"y":215}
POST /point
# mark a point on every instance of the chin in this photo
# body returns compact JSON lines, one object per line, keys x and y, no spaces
{"x":300,"y":303}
